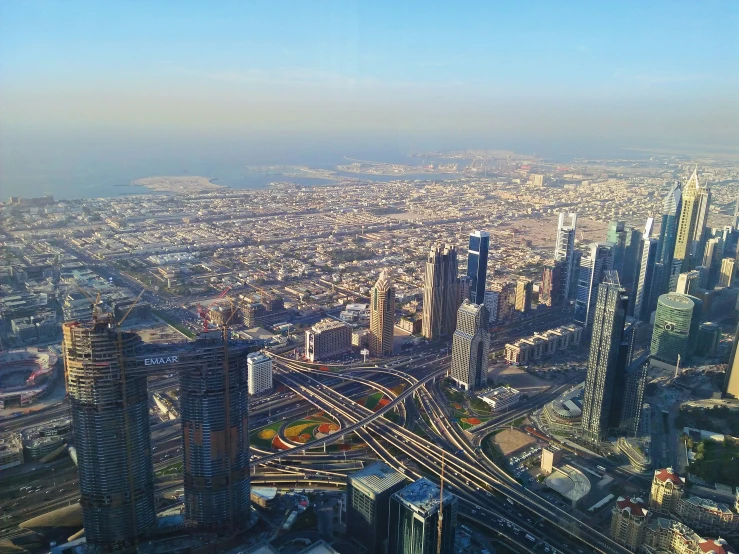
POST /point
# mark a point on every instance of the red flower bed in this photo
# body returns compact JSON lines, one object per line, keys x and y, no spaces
{"x":327,"y":427}
{"x":473,"y":421}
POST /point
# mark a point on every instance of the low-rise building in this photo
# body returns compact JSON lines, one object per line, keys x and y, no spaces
{"x":531,"y":349}
{"x":550,"y":456}
{"x":260,"y":373}
{"x":668,"y":535}
{"x":501,"y":398}
{"x":327,"y":338}
{"x":11,"y":450}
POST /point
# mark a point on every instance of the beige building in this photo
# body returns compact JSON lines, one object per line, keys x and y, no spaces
{"x":731,"y":380}
{"x":524,"y":292}
{"x":728,"y":269}
{"x":550,"y":456}
{"x":382,"y":316}
{"x":693,"y":218}
{"x":327,"y":338}
{"x":629,"y":519}
{"x":707,"y":516}
{"x":670,"y":536}
{"x":667,"y":489}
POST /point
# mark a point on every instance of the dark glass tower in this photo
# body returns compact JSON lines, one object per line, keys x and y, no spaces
{"x":414,"y":520}
{"x":477,"y":265}
{"x":610,"y":353}
{"x":671,"y":207}
{"x":639,"y":307}
{"x":368,"y":494}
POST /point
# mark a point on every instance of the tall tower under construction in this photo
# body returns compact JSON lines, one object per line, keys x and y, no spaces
{"x":215,"y":434}
{"x":107,"y":372}
{"x":110,"y":416}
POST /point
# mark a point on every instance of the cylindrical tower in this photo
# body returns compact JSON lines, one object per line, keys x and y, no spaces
{"x":215,"y":434}
{"x":672,"y":327}
{"x":111,"y":434}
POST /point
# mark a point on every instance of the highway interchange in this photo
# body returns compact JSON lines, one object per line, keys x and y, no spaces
{"x":488,"y":495}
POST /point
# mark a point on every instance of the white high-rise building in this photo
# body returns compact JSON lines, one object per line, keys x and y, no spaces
{"x":260,"y":373}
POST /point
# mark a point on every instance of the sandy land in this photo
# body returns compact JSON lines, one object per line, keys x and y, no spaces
{"x":542,"y":231}
{"x":512,"y":440}
{"x":180,"y":185}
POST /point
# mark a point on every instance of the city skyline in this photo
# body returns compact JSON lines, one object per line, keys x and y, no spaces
{"x":353,"y":278}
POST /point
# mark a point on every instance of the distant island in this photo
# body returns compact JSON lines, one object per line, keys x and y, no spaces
{"x":180,"y":185}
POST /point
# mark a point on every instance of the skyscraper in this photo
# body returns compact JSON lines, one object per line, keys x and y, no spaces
{"x":692,"y":222}
{"x":470,"y":346}
{"x":106,"y":378}
{"x":644,"y":281}
{"x":689,"y":282}
{"x":635,"y":381}
{"x":524,"y":292}
{"x":728,"y":270}
{"x":214,"y":410}
{"x":564,"y":249}
{"x":592,"y":268}
{"x":609,"y":356}
{"x":382,"y":316}
{"x":440,"y":292}
{"x":731,"y":379}
{"x":414,"y":519}
{"x":110,"y":417}
{"x":368,"y":494}
{"x":551,"y":291}
{"x":617,"y":235}
{"x":676,"y":326}
{"x":477,"y":265}
{"x":671,"y":208}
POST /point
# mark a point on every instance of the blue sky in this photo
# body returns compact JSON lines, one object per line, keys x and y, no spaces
{"x":630,"y":70}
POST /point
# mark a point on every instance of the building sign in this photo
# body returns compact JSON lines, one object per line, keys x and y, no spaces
{"x":160,"y":361}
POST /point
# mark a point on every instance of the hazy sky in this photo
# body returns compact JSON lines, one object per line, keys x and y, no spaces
{"x":637,"y":73}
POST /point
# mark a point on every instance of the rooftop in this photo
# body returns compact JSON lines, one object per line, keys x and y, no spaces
{"x":328,"y":324}
{"x":636,"y":507}
{"x":668,"y":474}
{"x":377,"y":477}
{"x":422,"y":496}
{"x":717,"y":546}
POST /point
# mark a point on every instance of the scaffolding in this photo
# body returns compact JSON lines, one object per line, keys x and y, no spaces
{"x":106,"y":373}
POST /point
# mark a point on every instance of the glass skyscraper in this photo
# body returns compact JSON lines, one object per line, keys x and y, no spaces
{"x":477,"y":265}
{"x":414,"y":520}
{"x":368,"y":494}
{"x":592,"y":268}
{"x":610,"y":354}
{"x":676,"y":326}
{"x":564,"y":251}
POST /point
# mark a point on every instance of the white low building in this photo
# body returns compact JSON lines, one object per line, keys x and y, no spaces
{"x":501,"y":398}
{"x":260,"y":373}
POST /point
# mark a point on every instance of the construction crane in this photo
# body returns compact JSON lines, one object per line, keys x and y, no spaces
{"x":441,"y":508}
{"x":204,"y":313}
{"x":93,"y":303}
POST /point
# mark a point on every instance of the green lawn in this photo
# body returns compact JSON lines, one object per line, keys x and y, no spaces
{"x":373,"y":400}
{"x":716,"y":462}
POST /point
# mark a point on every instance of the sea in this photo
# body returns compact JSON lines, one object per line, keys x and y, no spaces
{"x":103,"y":171}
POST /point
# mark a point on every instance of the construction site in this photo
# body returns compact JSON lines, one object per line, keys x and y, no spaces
{"x":106,"y":372}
